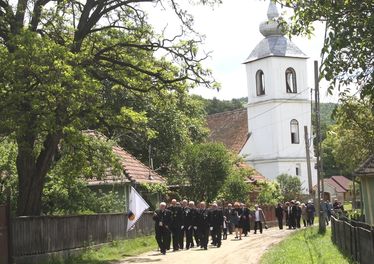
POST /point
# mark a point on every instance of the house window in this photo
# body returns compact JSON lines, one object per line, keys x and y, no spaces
{"x":295,"y":132}
{"x":298,"y":169}
{"x":260,"y":83}
{"x":291,"y":86}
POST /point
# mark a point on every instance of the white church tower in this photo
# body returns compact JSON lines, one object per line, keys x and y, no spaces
{"x":278,"y":104}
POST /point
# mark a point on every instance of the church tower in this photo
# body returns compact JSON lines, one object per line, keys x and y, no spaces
{"x":278,"y":104}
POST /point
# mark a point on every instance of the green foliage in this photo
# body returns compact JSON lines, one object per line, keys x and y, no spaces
{"x":348,"y":45}
{"x":113,"y":252}
{"x":305,"y":246}
{"x":82,"y":157}
{"x":351,"y":140}
{"x":235,"y":188}
{"x":270,"y":193}
{"x":8,"y":170}
{"x":213,"y":106}
{"x":68,"y":66}
{"x":290,"y":186}
{"x":176,"y":120}
{"x":206,"y":166}
{"x":155,"y":188}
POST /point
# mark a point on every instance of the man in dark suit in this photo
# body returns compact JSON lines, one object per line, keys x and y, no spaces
{"x":176,"y":223}
{"x":216,"y":222}
{"x":203,"y":225}
{"x":246,"y":219}
{"x":287,"y":212}
{"x":293,"y":215}
{"x":187,"y":227}
{"x":162,"y":218}
{"x":279,"y":215}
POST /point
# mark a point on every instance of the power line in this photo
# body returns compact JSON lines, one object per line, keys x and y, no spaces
{"x":272,"y":108}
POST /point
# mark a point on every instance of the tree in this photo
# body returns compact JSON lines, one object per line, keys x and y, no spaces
{"x":235,"y":188}
{"x":348,"y":47}
{"x":61,"y":65}
{"x":290,"y":186}
{"x":8,"y":170}
{"x":351,"y":139}
{"x":206,"y":166}
{"x":173,"y":120}
{"x":270,"y":193}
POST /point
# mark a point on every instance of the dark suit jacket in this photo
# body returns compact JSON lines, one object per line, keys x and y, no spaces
{"x":162,"y":216}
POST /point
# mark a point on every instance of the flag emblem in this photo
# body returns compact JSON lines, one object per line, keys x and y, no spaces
{"x":131,"y":216}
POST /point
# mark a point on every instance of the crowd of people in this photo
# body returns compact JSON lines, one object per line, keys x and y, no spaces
{"x":293,"y":212}
{"x":184,"y":224}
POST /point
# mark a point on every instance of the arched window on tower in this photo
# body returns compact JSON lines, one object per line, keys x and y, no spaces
{"x":291,"y":86}
{"x":260,"y":83}
{"x":295,"y":139}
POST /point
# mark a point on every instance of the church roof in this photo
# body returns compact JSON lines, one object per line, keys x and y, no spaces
{"x":275,"y":46}
{"x":229,"y":128}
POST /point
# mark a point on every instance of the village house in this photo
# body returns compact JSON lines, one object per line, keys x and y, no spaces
{"x":338,"y":187}
{"x":135,"y":174}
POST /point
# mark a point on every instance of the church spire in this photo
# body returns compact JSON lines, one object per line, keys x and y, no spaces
{"x":272,"y":26}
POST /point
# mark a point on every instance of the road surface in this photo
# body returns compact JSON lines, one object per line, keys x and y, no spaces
{"x":247,"y":250}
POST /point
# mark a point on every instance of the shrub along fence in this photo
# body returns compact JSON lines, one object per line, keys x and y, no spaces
{"x":49,"y":234}
{"x":355,"y":239}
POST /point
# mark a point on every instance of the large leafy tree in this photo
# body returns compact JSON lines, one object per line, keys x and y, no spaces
{"x":206,"y":167}
{"x":172,"y":121}
{"x":347,"y":53}
{"x":290,"y":186}
{"x":351,"y":139}
{"x":61,"y":65}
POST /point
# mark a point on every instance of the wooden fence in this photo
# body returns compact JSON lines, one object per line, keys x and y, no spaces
{"x":47,"y":234}
{"x":355,"y":239}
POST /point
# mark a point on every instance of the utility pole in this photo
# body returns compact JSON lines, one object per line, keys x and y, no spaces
{"x":322,"y":226}
{"x":307,"y":151}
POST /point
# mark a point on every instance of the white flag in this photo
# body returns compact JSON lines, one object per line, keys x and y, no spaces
{"x":137,"y":206}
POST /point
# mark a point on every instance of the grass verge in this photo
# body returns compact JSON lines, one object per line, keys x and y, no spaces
{"x":305,"y":246}
{"x":114,"y":252}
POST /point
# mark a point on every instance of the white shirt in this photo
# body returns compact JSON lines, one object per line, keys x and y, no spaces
{"x":257,"y":215}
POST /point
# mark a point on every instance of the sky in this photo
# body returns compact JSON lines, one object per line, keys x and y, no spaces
{"x":231,"y":32}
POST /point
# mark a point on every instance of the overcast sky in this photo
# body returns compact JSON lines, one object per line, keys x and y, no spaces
{"x":232,"y":32}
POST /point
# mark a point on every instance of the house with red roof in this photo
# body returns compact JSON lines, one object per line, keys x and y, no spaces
{"x":338,"y":187}
{"x":134,"y":173}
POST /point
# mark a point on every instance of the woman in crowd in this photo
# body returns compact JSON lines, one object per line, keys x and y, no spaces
{"x":238,"y":224}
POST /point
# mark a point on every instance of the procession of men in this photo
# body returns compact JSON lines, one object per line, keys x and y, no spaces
{"x":184,"y":225}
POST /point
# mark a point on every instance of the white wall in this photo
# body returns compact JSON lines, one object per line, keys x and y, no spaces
{"x":269,"y":149}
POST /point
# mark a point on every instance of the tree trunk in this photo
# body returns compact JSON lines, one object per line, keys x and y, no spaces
{"x":32,"y":171}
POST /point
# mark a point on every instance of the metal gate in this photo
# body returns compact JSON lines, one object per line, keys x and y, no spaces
{"x":4,"y":235}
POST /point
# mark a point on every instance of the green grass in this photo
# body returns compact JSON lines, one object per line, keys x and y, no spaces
{"x":305,"y":246}
{"x":114,"y":252}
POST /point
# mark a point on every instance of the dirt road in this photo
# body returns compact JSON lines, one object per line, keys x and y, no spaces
{"x":247,"y":250}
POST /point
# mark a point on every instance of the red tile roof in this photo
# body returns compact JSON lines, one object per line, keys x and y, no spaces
{"x":230,"y":128}
{"x":335,"y":185}
{"x":256,"y":176}
{"x":134,"y":170}
{"x":344,"y":182}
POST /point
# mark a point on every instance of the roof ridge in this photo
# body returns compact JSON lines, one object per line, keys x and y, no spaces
{"x":228,"y":112}
{"x":332,"y":178}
